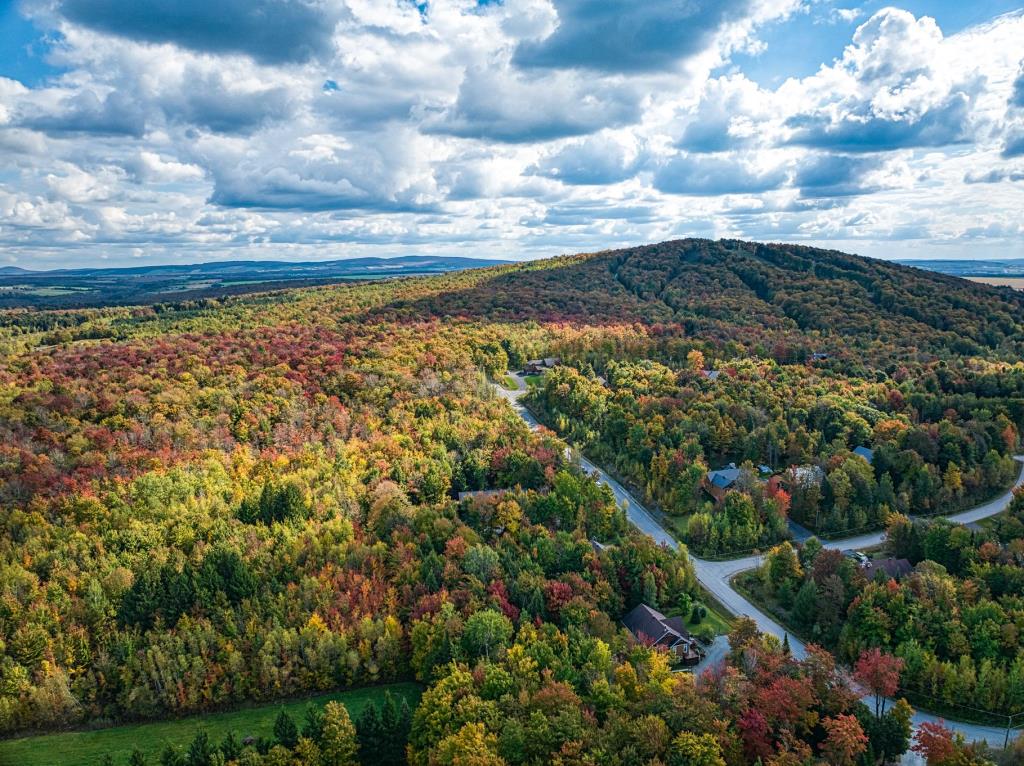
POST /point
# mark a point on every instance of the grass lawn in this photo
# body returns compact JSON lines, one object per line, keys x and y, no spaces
{"x":718,"y":622}
{"x":85,"y":748}
{"x":533,"y":380}
{"x":509,"y":383}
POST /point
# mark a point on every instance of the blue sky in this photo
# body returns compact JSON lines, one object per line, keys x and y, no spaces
{"x":131,"y":131}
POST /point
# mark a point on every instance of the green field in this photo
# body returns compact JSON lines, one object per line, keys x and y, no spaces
{"x":85,"y":748}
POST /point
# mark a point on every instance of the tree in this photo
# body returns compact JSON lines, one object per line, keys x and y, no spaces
{"x":880,"y":673}
{"x":136,"y":758}
{"x":845,"y":740}
{"x":690,"y":749}
{"x":313,"y":722}
{"x":487,"y":632}
{"x":370,"y":734}
{"x":285,"y":731}
{"x":783,"y":565}
{"x":472,"y":745}
{"x":338,"y":743}
{"x":805,"y":605}
{"x":230,"y":747}
{"x":935,"y":743}
{"x":171,"y":757}
{"x":202,"y":751}
{"x":695,"y":360}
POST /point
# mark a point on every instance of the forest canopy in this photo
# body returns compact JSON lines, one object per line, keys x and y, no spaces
{"x":212,"y":502}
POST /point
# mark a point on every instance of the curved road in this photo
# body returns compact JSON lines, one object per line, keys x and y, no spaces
{"x":716,"y":576}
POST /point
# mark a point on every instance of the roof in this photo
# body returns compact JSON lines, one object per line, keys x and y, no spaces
{"x":766,"y":469}
{"x":897,"y":569}
{"x":711,"y":374}
{"x":643,"y":620}
{"x":724,"y":478}
{"x":864,"y":452}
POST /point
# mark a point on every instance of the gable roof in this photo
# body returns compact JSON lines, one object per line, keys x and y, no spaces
{"x":897,"y":569}
{"x":724,"y":478}
{"x":646,"y":621}
{"x":864,"y":452}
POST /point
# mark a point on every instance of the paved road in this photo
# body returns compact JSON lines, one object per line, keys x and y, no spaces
{"x":716,"y":576}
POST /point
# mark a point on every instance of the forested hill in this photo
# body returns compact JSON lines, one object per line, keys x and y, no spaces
{"x":789,"y":300}
{"x":215,"y":501}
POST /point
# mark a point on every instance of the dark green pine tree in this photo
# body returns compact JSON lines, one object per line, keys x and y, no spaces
{"x":285,"y":731}
{"x":370,"y":735}
{"x":201,"y":752}
{"x":171,"y":757}
{"x":137,"y":758}
{"x":230,"y":747}
{"x":785,"y":645}
{"x":313,"y":723}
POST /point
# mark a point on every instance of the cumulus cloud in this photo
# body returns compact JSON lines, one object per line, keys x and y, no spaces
{"x":322,"y":172}
{"x":84,"y":111}
{"x":270,"y":31}
{"x":625,"y":36}
{"x":515,"y":128}
{"x":1017,"y":97}
{"x":837,"y":175}
{"x":893,"y":88}
{"x":1014,"y":146}
{"x":994,"y":176}
{"x":506,"y":106}
{"x":595,"y":160}
{"x":712,"y":175}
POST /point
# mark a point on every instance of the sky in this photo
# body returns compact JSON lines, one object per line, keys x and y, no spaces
{"x":141,"y":131}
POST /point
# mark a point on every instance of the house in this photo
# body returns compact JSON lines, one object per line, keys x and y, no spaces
{"x":540,"y":366}
{"x":819,"y":356}
{"x":597,"y":546}
{"x":711,"y":375}
{"x":864,"y":452}
{"x":717,"y":483}
{"x":893,"y":569}
{"x":651,"y":628}
{"x":765,"y":470}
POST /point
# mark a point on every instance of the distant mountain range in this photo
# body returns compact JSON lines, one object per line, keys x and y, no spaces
{"x":1012,"y":267}
{"x":71,"y":288}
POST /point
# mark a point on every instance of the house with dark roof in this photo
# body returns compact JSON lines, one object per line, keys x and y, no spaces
{"x":539,"y":366}
{"x":717,"y":483}
{"x":892,"y":569}
{"x":651,"y":628}
{"x":866,"y":453}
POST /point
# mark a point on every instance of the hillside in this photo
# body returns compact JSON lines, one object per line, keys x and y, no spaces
{"x":210,"y":503}
{"x":754,"y":294}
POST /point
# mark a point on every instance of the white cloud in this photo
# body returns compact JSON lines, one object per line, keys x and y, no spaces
{"x":493,"y":130}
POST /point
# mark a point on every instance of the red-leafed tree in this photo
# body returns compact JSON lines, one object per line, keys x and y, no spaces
{"x":845,"y":741}
{"x":880,"y":673}
{"x":934,"y":742}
